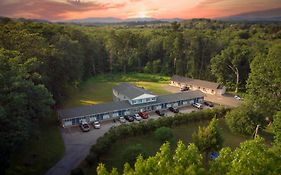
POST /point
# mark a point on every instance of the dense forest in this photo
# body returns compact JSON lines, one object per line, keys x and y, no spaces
{"x":40,"y":61}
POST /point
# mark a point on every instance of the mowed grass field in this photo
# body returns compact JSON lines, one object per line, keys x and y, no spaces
{"x":99,"y":89}
{"x":114,"y":156}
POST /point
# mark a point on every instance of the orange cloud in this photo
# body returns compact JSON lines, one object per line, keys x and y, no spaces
{"x":75,"y":9}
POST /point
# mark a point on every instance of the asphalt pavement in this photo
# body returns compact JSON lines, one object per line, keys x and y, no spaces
{"x":78,"y":143}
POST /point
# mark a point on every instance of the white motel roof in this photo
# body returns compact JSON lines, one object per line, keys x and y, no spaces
{"x":130,"y":91}
{"x":125,"y":105}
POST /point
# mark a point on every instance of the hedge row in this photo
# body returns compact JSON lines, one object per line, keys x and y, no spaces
{"x":115,"y":133}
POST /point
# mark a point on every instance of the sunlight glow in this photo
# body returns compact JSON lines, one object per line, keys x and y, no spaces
{"x":142,"y":14}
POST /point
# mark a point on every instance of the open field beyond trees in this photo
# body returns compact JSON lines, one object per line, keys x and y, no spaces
{"x":99,"y":89}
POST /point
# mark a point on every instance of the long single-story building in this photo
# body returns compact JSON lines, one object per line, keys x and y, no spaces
{"x":195,"y":84}
{"x":128,"y":100}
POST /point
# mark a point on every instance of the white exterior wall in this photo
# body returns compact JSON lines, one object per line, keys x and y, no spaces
{"x":221,"y":91}
{"x":67,"y":123}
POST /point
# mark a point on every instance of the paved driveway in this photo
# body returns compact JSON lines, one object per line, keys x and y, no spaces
{"x":78,"y":144}
{"x":77,"y":147}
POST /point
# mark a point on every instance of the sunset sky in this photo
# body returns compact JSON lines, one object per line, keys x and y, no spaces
{"x":75,"y":9}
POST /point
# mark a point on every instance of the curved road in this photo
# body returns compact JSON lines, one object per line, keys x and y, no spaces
{"x":77,"y":147}
{"x":78,"y":144}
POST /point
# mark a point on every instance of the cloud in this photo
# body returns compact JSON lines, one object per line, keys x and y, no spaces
{"x":50,"y":9}
{"x":219,"y":8}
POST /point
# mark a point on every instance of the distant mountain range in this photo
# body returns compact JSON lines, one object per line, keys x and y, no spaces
{"x":265,"y":15}
{"x":112,"y":20}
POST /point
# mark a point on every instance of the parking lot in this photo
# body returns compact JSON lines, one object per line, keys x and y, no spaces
{"x":225,"y":100}
{"x":78,"y":143}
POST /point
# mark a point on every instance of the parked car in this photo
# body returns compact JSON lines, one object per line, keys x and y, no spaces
{"x":160,"y":113}
{"x":197,"y":105}
{"x":85,"y":127}
{"x":122,"y":120}
{"x":174,"y":110}
{"x":237,"y":97}
{"x":96,"y":125}
{"x":143,"y":115}
{"x":129,"y":118}
{"x":207,"y":103}
{"x":184,"y":88}
{"x":137,"y":117}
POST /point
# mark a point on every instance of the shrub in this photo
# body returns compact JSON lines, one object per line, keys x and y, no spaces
{"x":115,"y":133}
{"x":244,"y":120}
{"x":163,"y":134}
{"x":132,"y":152}
{"x":77,"y":171}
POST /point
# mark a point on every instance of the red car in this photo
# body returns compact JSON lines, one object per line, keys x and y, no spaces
{"x":143,"y":115}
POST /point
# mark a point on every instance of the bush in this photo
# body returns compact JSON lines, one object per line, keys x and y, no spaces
{"x":244,"y":120}
{"x":132,"y":152}
{"x":163,"y":134}
{"x":115,"y":133}
{"x":77,"y":171}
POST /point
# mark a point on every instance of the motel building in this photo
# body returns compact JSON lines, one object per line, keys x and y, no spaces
{"x":128,"y":99}
{"x":206,"y":87}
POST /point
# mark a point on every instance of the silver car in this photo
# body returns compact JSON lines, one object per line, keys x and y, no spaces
{"x":137,"y":117}
{"x":96,"y":125}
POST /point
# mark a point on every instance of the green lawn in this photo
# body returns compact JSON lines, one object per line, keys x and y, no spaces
{"x":114,"y":158}
{"x":99,"y":89}
{"x":41,"y":152}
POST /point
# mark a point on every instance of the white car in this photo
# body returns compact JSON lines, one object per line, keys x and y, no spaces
{"x":137,"y":117}
{"x":122,"y":120}
{"x":96,"y":125}
{"x":237,"y":97}
{"x":197,"y":105}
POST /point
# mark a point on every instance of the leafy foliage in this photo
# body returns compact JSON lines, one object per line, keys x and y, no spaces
{"x":133,"y":151}
{"x":264,"y":82}
{"x":208,"y":138}
{"x":244,"y":120}
{"x":163,"y":134}
{"x":186,"y":160}
{"x":252,"y":157}
{"x":22,"y":103}
{"x":104,"y":142}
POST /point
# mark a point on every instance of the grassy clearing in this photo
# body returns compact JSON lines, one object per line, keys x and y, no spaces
{"x":114,"y":158}
{"x":41,"y":152}
{"x":99,"y":89}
